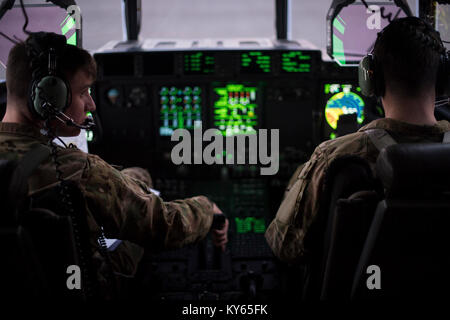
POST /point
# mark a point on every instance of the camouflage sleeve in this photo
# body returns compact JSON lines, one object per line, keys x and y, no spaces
{"x":287,"y":233}
{"x":127,"y":210}
{"x":139,"y":174}
{"x":293,"y":179}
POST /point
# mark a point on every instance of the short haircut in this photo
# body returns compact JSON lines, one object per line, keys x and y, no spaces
{"x":18,"y":69}
{"x":408,"y":52}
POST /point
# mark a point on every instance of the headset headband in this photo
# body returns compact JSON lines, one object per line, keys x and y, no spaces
{"x":50,"y":92}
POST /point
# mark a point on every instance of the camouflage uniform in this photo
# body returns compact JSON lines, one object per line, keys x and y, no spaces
{"x":289,"y":233}
{"x":118,"y":201}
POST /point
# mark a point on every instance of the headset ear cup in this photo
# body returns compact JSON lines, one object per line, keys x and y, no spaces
{"x":31,"y":99}
{"x":366,"y":75}
{"x":447,"y":74}
{"x":443,"y":76}
{"x":378,"y":79}
{"x":47,"y":84}
{"x":53,"y":90}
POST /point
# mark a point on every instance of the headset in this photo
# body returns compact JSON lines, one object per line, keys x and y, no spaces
{"x":49,"y":93}
{"x":370,"y":73}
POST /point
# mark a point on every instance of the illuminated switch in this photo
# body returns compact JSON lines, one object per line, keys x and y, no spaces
{"x":164,"y":91}
{"x":197,"y":91}
{"x":187,"y":90}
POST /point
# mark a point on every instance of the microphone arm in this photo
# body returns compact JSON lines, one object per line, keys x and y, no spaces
{"x":88,"y":124}
{"x":48,"y":108}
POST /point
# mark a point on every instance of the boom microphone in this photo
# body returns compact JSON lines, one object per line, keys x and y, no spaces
{"x":88,"y":124}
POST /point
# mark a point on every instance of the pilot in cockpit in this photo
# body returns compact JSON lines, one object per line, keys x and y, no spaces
{"x":48,"y":96}
{"x":406,"y":69}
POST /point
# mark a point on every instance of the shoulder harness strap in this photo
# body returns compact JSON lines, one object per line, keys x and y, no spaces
{"x":446,"y":137}
{"x":380,"y":138}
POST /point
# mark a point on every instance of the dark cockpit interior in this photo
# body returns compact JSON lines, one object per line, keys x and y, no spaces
{"x":302,"y":95}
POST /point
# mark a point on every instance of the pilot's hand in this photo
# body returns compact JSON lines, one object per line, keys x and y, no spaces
{"x":220,"y":236}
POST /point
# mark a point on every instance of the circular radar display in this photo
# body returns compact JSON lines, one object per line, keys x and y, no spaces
{"x":137,"y":97}
{"x":344,"y":103}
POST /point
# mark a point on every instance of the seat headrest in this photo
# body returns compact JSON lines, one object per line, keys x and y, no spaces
{"x":419,"y":168}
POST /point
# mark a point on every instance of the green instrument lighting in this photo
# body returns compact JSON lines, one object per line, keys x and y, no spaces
{"x":164,"y":91}
{"x":295,"y":62}
{"x":180,"y":108}
{"x":255,"y":62}
{"x":235,"y":109}
{"x":259,"y":225}
{"x":196,"y":90}
{"x":250,"y":224}
{"x":199,"y":63}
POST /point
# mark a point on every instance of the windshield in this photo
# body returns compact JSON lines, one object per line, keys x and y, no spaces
{"x":199,"y":19}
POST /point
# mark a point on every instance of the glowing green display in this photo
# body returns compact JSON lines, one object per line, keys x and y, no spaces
{"x":235,"y":109}
{"x":199,"y":63}
{"x":179,"y":108}
{"x":255,"y":62}
{"x":250,"y":224}
{"x":295,"y":61}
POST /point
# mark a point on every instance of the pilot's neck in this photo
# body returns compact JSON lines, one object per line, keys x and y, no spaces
{"x":417,"y":109}
{"x":19,"y":113}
